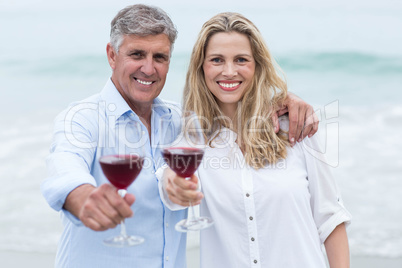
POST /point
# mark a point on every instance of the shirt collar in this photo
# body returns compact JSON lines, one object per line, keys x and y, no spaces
{"x":116,"y":105}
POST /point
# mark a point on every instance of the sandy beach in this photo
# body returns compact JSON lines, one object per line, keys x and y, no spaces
{"x":12,"y":259}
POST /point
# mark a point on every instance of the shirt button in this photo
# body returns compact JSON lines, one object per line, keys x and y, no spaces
{"x":248,"y":195}
{"x":255,"y":261}
{"x":251,"y":218}
{"x":252,"y":239}
{"x":167,"y":258}
{"x":167,"y":224}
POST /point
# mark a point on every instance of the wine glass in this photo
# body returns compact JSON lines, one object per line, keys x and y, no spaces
{"x":183,"y":150}
{"x":121,"y":170}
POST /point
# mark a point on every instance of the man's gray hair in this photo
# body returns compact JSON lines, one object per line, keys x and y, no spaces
{"x":141,"y":20}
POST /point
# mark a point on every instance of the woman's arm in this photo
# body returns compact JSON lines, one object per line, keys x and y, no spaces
{"x":337,"y":248}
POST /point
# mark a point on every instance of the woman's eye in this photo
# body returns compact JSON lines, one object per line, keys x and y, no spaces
{"x":217,"y":60}
{"x":241,"y":60}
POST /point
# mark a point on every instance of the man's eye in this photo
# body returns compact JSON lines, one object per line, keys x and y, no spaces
{"x":161,"y":58}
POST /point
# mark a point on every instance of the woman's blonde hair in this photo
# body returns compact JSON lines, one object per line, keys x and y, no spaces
{"x":256,"y":135}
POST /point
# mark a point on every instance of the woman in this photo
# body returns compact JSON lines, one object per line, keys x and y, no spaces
{"x":273,"y":205}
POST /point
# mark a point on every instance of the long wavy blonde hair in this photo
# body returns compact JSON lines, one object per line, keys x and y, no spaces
{"x":255,"y":132}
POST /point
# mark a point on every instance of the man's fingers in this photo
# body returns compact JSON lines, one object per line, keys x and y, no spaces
{"x":302,"y":123}
{"x":130,"y":199}
{"x":105,"y":209}
{"x":94,"y":225}
{"x":275,"y":122}
{"x":96,"y":219}
{"x":315,"y":124}
{"x":293,"y":123}
{"x":282,"y":111}
{"x":311,"y":124}
{"x":305,"y":132}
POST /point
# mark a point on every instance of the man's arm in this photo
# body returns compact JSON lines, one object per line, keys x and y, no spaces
{"x":70,"y":184}
{"x":303,"y":121}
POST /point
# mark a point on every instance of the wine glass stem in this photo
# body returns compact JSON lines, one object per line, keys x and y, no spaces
{"x":123,"y":232}
{"x":191,"y":214}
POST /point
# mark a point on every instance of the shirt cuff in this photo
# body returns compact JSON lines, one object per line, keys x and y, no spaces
{"x":71,"y":217}
{"x":342,"y":216}
{"x":56,"y":191}
{"x":162,"y":192}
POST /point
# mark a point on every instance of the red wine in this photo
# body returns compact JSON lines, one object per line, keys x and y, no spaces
{"x":184,"y":161}
{"x":121,"y":170}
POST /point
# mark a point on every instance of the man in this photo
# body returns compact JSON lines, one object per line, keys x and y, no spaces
{"x":139,"y":52}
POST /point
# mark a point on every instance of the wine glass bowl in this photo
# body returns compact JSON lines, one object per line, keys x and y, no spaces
{"x":121,"y":170}
{"x":183,"y":160}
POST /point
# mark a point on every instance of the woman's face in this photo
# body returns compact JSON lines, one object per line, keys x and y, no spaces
{"x":229,"y":68}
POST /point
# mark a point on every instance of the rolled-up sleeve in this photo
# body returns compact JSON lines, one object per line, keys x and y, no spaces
{"x":71,"y":156}
{"x":326,"y":201}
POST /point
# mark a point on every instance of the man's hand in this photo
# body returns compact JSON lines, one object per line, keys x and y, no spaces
{"x":303,"y":121}
{"x":99,"y":208}
{"x":180,"y":191}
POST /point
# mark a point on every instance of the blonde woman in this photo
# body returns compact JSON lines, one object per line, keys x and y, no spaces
{"x":274,"y":205}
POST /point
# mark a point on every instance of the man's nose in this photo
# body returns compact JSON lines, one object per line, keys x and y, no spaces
{"x":148,"y":67}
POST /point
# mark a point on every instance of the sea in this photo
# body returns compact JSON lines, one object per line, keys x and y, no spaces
{"x":344,"y":57}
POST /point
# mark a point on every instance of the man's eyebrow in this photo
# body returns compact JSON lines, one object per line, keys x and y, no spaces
{"x":161,"y":55}
{"x":136,"y":51}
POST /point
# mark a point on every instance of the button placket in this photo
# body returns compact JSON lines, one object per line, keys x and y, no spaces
{"x":247,"y":184}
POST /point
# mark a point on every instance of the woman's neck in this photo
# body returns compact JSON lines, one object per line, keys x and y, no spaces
{"x":230,"y":110}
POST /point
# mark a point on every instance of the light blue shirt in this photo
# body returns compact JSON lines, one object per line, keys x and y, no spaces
{"x":82,"y":134}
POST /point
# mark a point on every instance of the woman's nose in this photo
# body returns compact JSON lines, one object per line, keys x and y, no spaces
{"x":229,"y":70}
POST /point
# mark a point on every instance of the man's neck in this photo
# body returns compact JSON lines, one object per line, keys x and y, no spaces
{"x":144,"y":112}
{"x":142,"y":109}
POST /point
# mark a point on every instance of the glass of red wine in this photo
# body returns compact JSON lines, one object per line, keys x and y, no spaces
{"x":121,"y":170}
{"x":183,"y":151}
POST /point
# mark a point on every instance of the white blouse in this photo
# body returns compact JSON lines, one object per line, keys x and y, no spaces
{"x":277,"y":216}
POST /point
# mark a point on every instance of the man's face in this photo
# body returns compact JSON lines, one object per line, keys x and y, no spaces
{"x":140,"y":68}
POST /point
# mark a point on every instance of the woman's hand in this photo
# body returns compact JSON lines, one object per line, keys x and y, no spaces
{"x":180,"y":191}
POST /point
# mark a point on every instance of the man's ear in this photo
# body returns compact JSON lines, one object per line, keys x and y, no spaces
{"x":111,"y":55}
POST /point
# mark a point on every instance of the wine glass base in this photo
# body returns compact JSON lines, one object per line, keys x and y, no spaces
{"x":193,"y":225}
{"x":123,"y":241}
